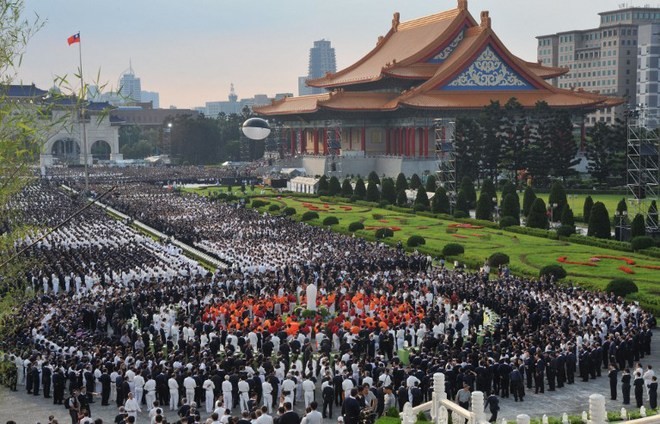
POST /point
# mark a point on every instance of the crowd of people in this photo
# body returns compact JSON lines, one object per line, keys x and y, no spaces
{"x":149,"y":330}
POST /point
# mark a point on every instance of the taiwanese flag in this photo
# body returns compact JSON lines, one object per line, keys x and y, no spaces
{"x":75,"y":38}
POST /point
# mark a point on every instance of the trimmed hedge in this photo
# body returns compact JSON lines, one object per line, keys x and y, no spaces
{"x":414,"y":241}
{"x":288,"y":211}
{"x":554,"y":270}
{"x":607,"y":244}
{"x":460,"y":214}
{"x":498,"y":258}
{"x":309,"y":215}
{"x":330,"y":220}
{"x":273,"y":208}
{"x":537,"y":232}
{"x":453,"y":249}
{"x":354,"y":226}
{"x":642,"y":242}
{"x":509,"y":221}
{"x":566,"y":230}
{"x":384,"y":232}
{"x":258,"y":203}
{"x":621,"y":287}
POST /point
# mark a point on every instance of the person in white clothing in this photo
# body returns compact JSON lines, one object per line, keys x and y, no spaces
{"x":208,"y":387}
{"x":150,"y":391}
{"x":139,"y":383}
{"x":308,"y":391}
{"x":226,"y":393}
{"x":267,"y":394}
{"x":243,"y":394}
{"x":173,"y":385}
{"x":131,"y":406}
{"x":189,"y":384}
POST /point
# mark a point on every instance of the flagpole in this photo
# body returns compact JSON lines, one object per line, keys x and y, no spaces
{"x":82,"y":108}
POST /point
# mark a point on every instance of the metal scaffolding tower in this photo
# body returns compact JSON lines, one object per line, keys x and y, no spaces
{"x":642,"y":163}
{"x":445,"y":156}
{"x":334,"y":129}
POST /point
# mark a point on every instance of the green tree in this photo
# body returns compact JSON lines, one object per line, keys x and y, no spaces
{"x":557,"y":197}
{"x":373,"y":177}
{"x":324,"y":186}
{"x":538,"y":217}
{"x":539,"y":162}
{"x":197,"y":141}
{"x":562,"y":145}
{"x":401,"y":198}
{"x":606,"y":152}
{"x":621,"y":219}
{"x":360,"y":190}
{"x":508,"y":188}
{"x":422,"y":199}
{"x":440,"y":201}
{"x":528,"y":200}
{"x":401,"y":183}
{"x":468,"y":148}
{"x":637,"y":227}
{"x":652,"y":215}
{"x":490,"y":121}
{"x":484,"y":207}
{"x":515,"y":136}
{"x":599,"y":222}
{"x":431,"y":185}
{"x":388,"y":192}
{"x":467,"y":187}
{"x":462,"y":203}
{"x":415,"y":182}
{"x":567,"y":221}
{"x":373,"y":195}
{"x":334,"y":187}
{"x":488,"y":189}
{"x":511,"y":207}
{"x":586,"y":209}
{"x":346,"y":188}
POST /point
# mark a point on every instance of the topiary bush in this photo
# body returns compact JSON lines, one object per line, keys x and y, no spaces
{"x":553,"y":270}
{"x":498,"y":258}
{"x":384,"y":232}
{"x":330,"y":220}
{"x":414,"y":241}
{"x":461,"y":214}
{"x":621,"y":287}
{"x":354,"y":226}
{"x":274,"y":208}
{"x":453,"y":249}
{"x":309,"y":215}
{"x":566,"y":230}
{"x":378,"y":216}
{"x":258,"y":203}
{"x":509,"y":221}
{"x":642,"y":242}
{"x":288,"y":211}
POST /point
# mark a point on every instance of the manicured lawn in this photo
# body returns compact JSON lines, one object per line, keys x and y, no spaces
{"x":528,"y":253}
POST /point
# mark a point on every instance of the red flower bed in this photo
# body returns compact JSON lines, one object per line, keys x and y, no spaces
{"x":649,"y":266}
{"x":626,"y":269}
{"x":459,"y":236}
{"x":346,"y":208}
{"x":423,"y":227}
{"x":325,"y":205}
{"x":395,"y":228}
{"x":618,"y":258}
{"x":384,"y":221}
{"x":478,"y":235}
{"x":470,"y":226}
{"x":564,"y":260}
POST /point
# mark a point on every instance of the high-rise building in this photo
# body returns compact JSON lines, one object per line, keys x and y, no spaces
{"x":321,"y":61}
{"x":603,"y":59}
{"x":648,"y":78}
{"x":151,"y":96}
{"x":130,"y":88}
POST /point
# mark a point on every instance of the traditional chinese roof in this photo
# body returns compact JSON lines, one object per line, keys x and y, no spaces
{"x":22,"y":91}
{"x":443,"y":61}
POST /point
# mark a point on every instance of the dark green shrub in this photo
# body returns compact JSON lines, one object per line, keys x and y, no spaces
{"x":388,"y":192}
{"x":599,"y":222}
{"x":538,"y":217}
{"x":528,"y":201}
{"x":330,"y":220}
{"x":557,"y":196}
{"x":384,"y":232}
{"x":354,"y":226}
{"x":621,"y":287}
{"x":415,"y":182}
{"x":258,"y":203}
{"x":453,"y":249}
{"x":288,"y":211}
{"x":431,"y":185}
{"x":637,"y":226}
{"x":373,"y":177}
{"x":511,"y":206}
{"x":360,"y":191}
{"x":470,"y":194}
{"x":422,"y":198}
{"x":373,"y":195}
{"x":498,"y":258}
{"x":334,"y":186}
{"x":420,"y":208}
{"x":586,"y":209}
{"x":324,"y":186}
{"x":401,"y":182}
{"x":484,"y":207}
{"x":566,"y":230}
{"x":378,"y":216}
{"x":392,"y":412}
{"x":414,"y":241}
{"x":440,"y":201}
{"x":309,"y":215}
{"x":553,"y":270}
{"x":461,"y":214}
{"x":509,"y":221}
{"x":642,"y":242}
{"x":273,"y":208}
{"x":346,"y":188}
{"x":401,"y":198}
{"x":488,"y":190}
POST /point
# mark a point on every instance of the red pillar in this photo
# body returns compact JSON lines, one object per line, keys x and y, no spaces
{"x":406,"y":135}
{"x":413,"y":134}
{"x":303,"y":141}
{"x":316,"y":141}
{"x":400,"y":152}
{"x":325,"y":141}
{"x":363,"y":141}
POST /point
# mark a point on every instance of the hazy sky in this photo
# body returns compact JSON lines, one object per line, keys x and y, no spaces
{"x":190,"y":51}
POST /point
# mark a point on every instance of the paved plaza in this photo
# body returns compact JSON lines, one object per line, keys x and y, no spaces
{"x":573,"y":399}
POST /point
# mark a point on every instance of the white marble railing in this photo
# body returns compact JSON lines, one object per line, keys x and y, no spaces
{"x":444,"y":411}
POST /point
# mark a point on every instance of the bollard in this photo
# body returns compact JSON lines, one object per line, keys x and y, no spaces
{"x":597,"y":410}
{"x":522,"y":419}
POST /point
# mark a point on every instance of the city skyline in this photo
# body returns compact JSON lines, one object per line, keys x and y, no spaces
{"x":192,"y":55}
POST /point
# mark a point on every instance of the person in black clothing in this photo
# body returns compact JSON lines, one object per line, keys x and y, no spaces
{"x":612,"y":374}
{"x":46,"y":373}
{"x":653,"y":393}
{"x":350,"y":408}
{"x":571,"y":365}
{"x":625,"y":386}
{"x":105,"y":386}
{"x":493,"y":403}
{"x":328,"y":394}
{"x":290,"y":416}
{"x":58,"y":387}
{"x":539,"y":383}
{"x":517,"y":387}
{"x":638,"y":382}
{"x":36,"y":381}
